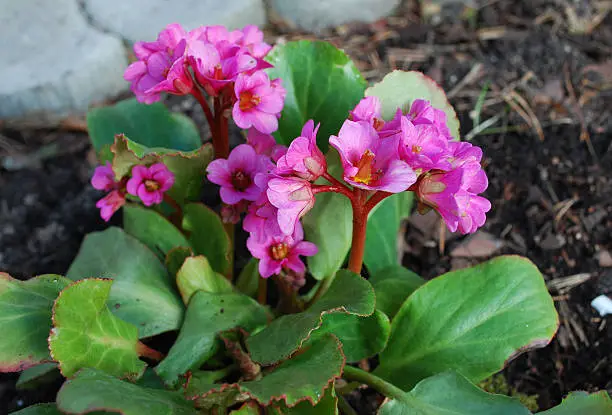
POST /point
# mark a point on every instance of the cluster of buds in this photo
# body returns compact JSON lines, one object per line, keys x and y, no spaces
{"x":225,"y":64}
{"x":147,"y":183}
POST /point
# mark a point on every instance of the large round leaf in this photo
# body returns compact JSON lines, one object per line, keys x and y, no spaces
{"x":399,"y":89}
{"x":392,"y":286}
{"x":196,"y":274}
{"x":152,"y":229}
{"x":473,"y":321}
{"x":25,"y":318}
{"x":86,"y":334}
{"x":150,"y":125}
{"x":142,"y":293}
{"x":208,"y":314}
{"x":451,"y":393}
{"x":578,"y":403}
{"x":349,"y":293}
{"x":322,"y":84}
{"x":92,"y":390}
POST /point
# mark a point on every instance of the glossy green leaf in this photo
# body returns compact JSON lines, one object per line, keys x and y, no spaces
{"x":579,"y":403}
{"x":383,"y":231}
{"x":304,"y":377}
{"x":152,"y":229}
{"x":25,"y":318}
{"x":92,"y":390}
{"x":142,"y":293}
{"x":393,"y":285}
{"x":249,"y":408}
{"x":189,"y":168}
{"x":86,"y":334}
{"x":451,"y":393}
{"x":248,"y":280}
{"x":40,"y":409}
{"x":150,"y":125}
{"x":332,"y":211}
{"x":499,"y":308}
{"x":196,"y":274}
{"x":399,"y":89}
{"x":207,"y":315}
{"x":328,"y":405}
{"x":361,"y":337}
{"x":208,"y":236}
{"x":349,"y":293}
{"x":322,"y":84}
{"x":35,"y":376}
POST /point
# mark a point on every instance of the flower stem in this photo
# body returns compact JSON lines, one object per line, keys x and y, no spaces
{"x":145,"y":351}
{"x":262,"y":291}
{"x":319,"y":188}
{"x":380,"y":385}
{"x":197,"y":93}
{"x":360,"y":221}
{"x":221,"y":142}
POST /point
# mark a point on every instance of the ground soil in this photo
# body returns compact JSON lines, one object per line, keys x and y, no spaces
{"x":547,"y":87}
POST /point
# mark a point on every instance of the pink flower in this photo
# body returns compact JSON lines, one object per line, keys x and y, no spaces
{"x":104,"y":178}
{"x":261,"y":220}
{"x":231,"y":213}
{"x":438,"y":190}
{"x":110,"y":203}
{"x":422,"y":112}
{"x":293,"y":197}
{"x":161,"y":66}
{"x":236,"y":174}
{"x":258,"y":102}
{"x":370,"y":162}
{"x":303,"y":158}
{"x":281,"y":252}
{"x":368,"y":110}
{"x":253,"y":40}
{"x":150,"y":183}
{"x":265,"y":144}
{"x":423,"y":147}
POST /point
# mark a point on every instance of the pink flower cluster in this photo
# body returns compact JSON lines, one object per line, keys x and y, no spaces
{"x":415,"y":152}
{"x":217,"y":60}
{"x":248,"y":179}
{"x":147,"y":183}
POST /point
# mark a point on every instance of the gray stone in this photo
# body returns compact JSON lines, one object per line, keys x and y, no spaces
{"x":315,"y":15}
{"x":137,"y":20}
{"x":53,"y":63}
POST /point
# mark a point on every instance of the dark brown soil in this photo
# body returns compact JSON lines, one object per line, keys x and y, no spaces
{"x":551,"y":189}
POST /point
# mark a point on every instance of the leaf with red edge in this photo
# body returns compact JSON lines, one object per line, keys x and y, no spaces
{"x":399,"y":89}
{"x":348,"y":293}
{"x":92,"y":390}
{"x":328,"y":405}
{"x":86,"y":334}
{"x":25,"y":318}
{"x":303,"y":378}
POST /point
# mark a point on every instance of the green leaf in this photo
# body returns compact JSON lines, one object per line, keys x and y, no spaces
{"x":40,"y":409}
{"x":196,"y":274}
{"x":383,"y":229}
{"x":328,"y":405}
{"x":451,"y":393}
{"x":34,"y":376}
{"x":578,"y":403}
{"x":92,"y":390}
{"x":25,"y":316}
{"x":86,"y":334}
{"x":143,"y":293}
{"x":175,"y":259}
{"x":331,"y":211}
{"x":207,"y":315}
{"x":208,"y":236}
{"x":304,"y":377}
{"x":152,"y":229}
{"x":248,"y":280}
{"x":361,"y":337}
{"x":149,"y":125}
{"x":249,"y":408}
{"x":322,"y":84}
{"x":499,"y":308}
{"x":349,"y":293}
{"x":392,"y":286}
{"x":189,"y":168}
{"x":399,"y":89}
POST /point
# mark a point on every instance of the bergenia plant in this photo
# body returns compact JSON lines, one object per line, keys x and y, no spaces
{"x":285,"y":294}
